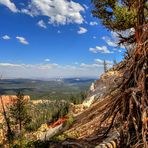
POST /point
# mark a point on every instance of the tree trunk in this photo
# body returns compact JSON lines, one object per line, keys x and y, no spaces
{"x":20,"y":133}
{"x":140,"y":19}
{"x":9,"y":131}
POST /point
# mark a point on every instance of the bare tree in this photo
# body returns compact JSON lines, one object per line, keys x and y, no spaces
{"x":105,"y":66}
{"x":9,"y":134}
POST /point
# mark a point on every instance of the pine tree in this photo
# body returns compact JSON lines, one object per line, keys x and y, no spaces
{"x":105,"y":66}
{"x":19,"y":114}
{"x":73,"y":99}
{"x":115,"y":62}
{"x":82,"y":96}
{"x":120,"y":15}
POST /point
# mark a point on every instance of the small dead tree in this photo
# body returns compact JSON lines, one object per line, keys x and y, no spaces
{"x":9,"y":134}
{"x":114,"y":62}
{"x":105,"y":66}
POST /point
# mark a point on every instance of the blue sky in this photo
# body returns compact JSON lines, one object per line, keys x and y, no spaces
{"x":53,"y":38}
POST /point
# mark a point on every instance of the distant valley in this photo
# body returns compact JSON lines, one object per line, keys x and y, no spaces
{"x":46,"y":89}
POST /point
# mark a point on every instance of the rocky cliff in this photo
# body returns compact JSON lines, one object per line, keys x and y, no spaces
{"x":8,"y":100}
{"x":87,"y":115}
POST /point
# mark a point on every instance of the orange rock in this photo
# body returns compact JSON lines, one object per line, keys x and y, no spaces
{"x":58,"y":122}
{"x":7,"y":101}
{"x":10,"y":99}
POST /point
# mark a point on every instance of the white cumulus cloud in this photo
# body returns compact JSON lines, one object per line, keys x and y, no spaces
{"x":82,"y":30}
{"x":102,"y":49}
{"x":9,"y":5}
{"x":98,"y":60}
{"x":22,"y":40}
{"x":93,"y":65}
{"x":109,"y":42}
{"x":6,"y":37}
{"x":9,"y":65}
{"x":58,"y":11}
{"x":85,"y":6}
{"x":93,"y":23}
{"x":102,"y":61}
{"x":53,"y":70}
{"x":42,"y":24}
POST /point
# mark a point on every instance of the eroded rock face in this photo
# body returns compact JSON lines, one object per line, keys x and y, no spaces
{"x":108,"y":81}
{"x":98,"y":90}
{"x":45,"y":133}
{"x":101,"y":87}
{"x":88,"y":101}
{"x":92,"y":87}
{"x":76,"y":109}
{"x":10,"y":99}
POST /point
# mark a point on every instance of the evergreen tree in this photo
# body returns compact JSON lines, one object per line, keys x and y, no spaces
{"x":83,"y":96}
{"x":19,"y":114}
{"x":73,"y":99}
{"x":105,"y":66}
{"x":115,"y":62}
{"x":120,"y":15}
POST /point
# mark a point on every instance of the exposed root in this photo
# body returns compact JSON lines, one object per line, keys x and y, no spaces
{"x":128,"y":106}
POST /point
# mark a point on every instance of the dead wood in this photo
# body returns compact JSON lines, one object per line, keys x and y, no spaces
{"x":128,"y":106}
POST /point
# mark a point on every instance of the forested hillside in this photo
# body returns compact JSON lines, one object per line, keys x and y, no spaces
{"x":46,"y":89}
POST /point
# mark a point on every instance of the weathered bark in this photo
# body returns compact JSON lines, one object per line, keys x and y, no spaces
{"x":129,"y":105}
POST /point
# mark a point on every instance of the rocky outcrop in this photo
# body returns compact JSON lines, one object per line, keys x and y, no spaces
{"x":76,"y":109}
{"x":88,"y":101}
{"x":88,"y":114}
{"x":98,"y":90}
{"x":45,"y":133}
{"x":10,"y":99}
{"x":92,"y":87}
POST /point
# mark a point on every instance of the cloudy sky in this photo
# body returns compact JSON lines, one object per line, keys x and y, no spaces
{"x":53,"y":38}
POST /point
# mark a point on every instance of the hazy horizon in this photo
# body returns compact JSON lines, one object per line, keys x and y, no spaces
{"x":46,"y":79}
